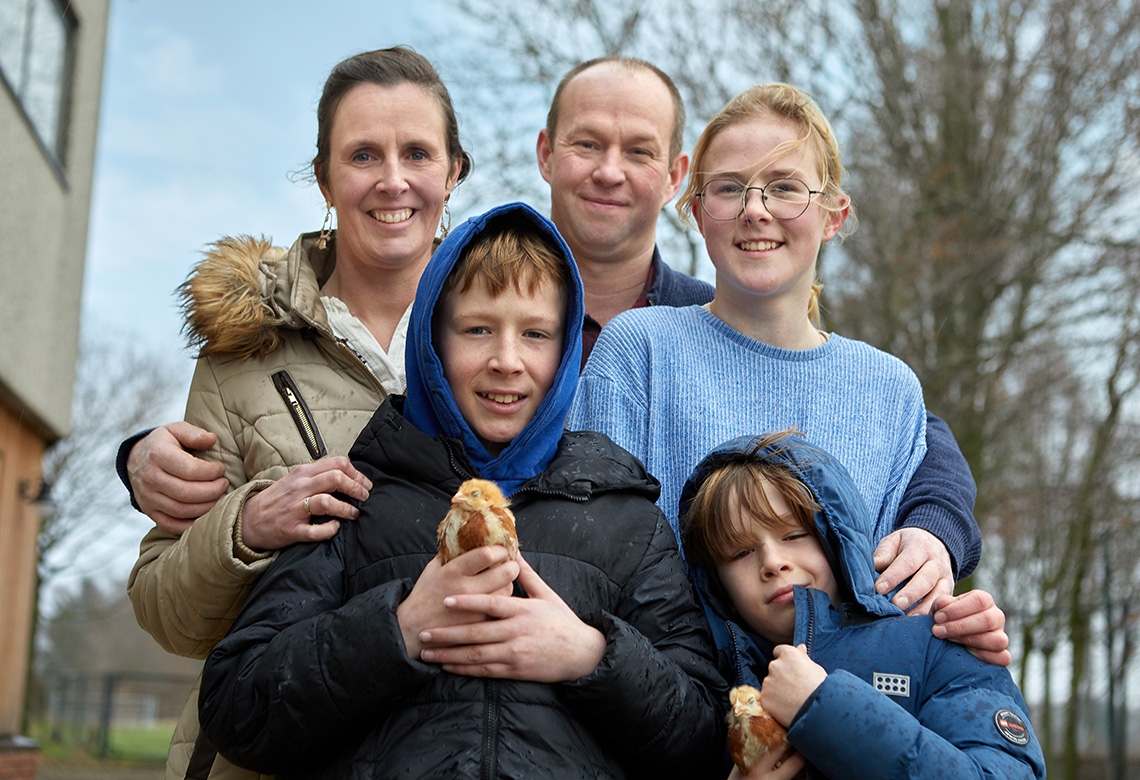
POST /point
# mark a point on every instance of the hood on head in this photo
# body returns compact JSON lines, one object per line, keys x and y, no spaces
{"x":844,"y":524}
{"x":430,"y":404}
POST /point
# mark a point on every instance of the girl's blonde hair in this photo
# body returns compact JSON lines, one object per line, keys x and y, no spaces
{"x":786,"y":102}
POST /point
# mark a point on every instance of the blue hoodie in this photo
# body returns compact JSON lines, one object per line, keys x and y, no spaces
{"x":897,"y":702}
{"x":430,"y":405}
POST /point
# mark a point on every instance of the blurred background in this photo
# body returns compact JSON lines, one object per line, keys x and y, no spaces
{"x":992,"y":154}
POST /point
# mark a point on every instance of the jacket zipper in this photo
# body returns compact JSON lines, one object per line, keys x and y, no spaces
{"x":489,"y":765}
{"x":344,"y":347}
{"x":302,"y":417}
{"x":810,"y":640}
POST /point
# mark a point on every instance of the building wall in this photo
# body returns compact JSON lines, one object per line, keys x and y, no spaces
{"x":45,"y":199}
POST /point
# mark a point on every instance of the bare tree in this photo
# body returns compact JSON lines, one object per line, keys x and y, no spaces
{"x":120,"y":388}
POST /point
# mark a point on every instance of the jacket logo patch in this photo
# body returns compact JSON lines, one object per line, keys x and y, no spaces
{"x":892,"y":684}
{"x":1011,"y":727}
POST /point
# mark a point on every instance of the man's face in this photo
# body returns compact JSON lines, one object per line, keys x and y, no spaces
{"x":608,"y":164}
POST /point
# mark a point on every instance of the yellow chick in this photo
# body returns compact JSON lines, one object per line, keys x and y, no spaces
{"x":751,"y":731}
{"x":478,"y":516}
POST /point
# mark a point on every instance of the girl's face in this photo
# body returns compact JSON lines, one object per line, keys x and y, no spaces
{"x":388,"y":174}
{"x":761,"y":578}
{"x":756,"y":256}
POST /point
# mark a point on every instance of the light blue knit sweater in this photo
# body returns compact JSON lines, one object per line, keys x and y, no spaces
{"x":669,"y":385}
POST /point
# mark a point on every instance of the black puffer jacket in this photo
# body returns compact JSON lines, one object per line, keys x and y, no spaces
{"x":314,"y":681}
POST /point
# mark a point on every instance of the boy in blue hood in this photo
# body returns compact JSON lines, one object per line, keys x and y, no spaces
{"x":777,"y":535}
{"x":365,"y":656}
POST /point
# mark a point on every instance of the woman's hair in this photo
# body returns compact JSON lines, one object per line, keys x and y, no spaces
{"x":385,"y":68}
{"x":710,"y":529}
{"x":513,"y":255}
{"x":786,"y":102}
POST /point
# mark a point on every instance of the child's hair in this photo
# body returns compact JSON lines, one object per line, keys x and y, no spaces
{"x":710,"y":533}
{"x":512,"y":255}
{"x":787,"y":102}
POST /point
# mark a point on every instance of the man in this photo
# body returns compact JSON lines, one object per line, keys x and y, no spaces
{"x":611,"y":152}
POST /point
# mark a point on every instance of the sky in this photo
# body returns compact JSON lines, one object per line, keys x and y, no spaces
{"x":207,"y":109}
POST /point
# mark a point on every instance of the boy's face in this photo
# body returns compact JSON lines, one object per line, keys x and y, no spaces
{"x":500,"y":355}
{"x":759,"y":580}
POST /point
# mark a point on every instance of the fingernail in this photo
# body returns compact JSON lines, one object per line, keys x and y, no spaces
{"x":940,"y":632}
{"x":901,"y":602}
{"x":882,"y":586}
{"x":449,"y":601}
{"x":427,"y":655}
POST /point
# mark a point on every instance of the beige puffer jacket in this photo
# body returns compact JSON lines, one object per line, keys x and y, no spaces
{"x":270,"y":368}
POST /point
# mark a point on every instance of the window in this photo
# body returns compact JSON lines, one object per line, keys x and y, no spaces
{"x":35,"y":60}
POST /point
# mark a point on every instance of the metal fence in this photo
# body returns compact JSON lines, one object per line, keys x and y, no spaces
{"x":95,"y":711}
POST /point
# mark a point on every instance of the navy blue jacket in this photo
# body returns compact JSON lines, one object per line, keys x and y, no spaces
{"x":897,"y":702}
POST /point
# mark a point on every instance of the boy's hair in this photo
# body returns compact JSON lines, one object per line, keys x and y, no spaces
{"x":511,"y":255}
{"x":710,"y":533}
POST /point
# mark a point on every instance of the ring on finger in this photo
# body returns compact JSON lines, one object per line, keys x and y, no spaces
{"x":305,"y":505}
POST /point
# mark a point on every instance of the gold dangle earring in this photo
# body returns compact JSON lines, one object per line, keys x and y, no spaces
{"x":445,"y":221}
{"x":326,"y":228}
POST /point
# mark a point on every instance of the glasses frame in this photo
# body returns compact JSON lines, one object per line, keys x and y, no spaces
{"x":763,"y":198}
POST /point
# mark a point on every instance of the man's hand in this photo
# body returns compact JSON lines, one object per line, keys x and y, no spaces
{"x":171,"y":486}
{"x":537,"y":638}
{"x":921,"y":556}
{"x":974,"y":621}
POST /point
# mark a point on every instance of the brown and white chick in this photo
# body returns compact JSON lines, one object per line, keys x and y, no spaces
{"x":478,"y":516}
{"x":751,"y":731}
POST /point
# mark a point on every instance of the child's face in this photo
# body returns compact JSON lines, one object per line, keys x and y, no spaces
{"x":759,"y":580}
{"x":756,"y":255}
{"x":500,"y":355}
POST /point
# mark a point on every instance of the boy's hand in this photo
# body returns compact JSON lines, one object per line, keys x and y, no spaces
{"x":773,"y":766}
{"x":484,"y":570}
{"x":537,"y":638}
{"x":921,"y":556}
{"x":792,"y":677}
{"x":974,"y":621}
{"x":172,"y":486}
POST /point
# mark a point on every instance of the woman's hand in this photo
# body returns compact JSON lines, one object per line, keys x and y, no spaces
{"x":974,"y":621}
{"x":537,"y":638}
{"x":282,"y":514}
{"x":792,"y":677}
{"x":485,"y":570}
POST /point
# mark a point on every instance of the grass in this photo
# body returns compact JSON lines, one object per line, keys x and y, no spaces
{"x":132,"y":745}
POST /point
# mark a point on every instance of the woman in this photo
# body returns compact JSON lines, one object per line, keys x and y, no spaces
{"x":671,"y":384}
{"x":297,"y":351}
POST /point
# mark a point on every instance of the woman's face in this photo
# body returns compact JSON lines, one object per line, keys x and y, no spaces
{"x":388,"y":174}
{"x":755,"y":255}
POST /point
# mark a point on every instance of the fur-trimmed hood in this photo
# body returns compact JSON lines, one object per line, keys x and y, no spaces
{"x":245,"y":290}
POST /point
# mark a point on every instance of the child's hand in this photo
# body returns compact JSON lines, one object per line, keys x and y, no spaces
{"x":484,"y":570}
{"x":792,"y":677}
{"x":773,"y":766}
{"x":538,"y":638}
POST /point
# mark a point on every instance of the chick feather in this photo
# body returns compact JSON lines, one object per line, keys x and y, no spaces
{"x":478,"y":516}
{"x":751,"y":731}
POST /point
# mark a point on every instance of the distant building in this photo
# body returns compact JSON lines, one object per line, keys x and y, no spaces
{"x":51,"y":72}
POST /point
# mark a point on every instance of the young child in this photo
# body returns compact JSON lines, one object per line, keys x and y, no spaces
{"x":366,"y":656}
{"x":778,"y":537}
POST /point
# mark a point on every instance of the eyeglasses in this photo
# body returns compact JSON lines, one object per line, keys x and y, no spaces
{"x":726,"y":199}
